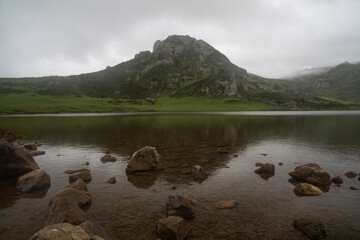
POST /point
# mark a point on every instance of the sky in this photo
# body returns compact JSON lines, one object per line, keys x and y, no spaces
{"x":270,"y":38}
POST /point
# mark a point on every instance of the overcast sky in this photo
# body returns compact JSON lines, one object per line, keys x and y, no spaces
{"x":271,"y":38}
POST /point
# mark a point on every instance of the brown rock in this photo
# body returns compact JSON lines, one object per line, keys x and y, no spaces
{"x":108,"y":158}
{"x":306,"y":189}
{"x":311,"y":173}
{"x":77,"y":170}
{"x":82,"y":198}
{"x":351,"y":174}
{"x":15,"y":161}
{"x":313,"y":229}
{"x":37,"y":153}
{"x":84,"y":175}
{"x":63,"y":231}
{"x":94,"y":229}
{"x":30,"y":147}
{"x":145,"y":159}
{"x":354,"y":188}
{"x":111,"y":180}
{"x":172,"y":228}
{"x":258,"y":164}
{"x":199,"y":173}
{"x":264,"y":154}
{"x":79,"y":184}
{"x":280,"y":163}
{"x":179,"y":206}
{"x":191,"y":199}
{"x":226,"y":204}
{"x":266,"y":170}
{"x":32,"y":181}
{"x":337,"y":180}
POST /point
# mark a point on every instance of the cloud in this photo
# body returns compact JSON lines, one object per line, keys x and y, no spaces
{"x":271,"y":38}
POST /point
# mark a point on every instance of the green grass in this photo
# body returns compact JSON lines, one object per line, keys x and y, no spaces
{"x":34,"y":103}
{"x":337,"y":100}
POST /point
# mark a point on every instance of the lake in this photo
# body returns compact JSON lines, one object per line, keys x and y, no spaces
{"x":130,"y":208}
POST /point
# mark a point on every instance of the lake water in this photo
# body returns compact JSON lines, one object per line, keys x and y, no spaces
{"x":130,"y":208}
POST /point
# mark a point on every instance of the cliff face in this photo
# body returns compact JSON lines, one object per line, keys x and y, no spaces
{"x":177,"y":66}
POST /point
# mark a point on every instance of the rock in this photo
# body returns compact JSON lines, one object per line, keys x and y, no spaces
{"x":107,"y":152}
{"x":313,"y":229}
{"x":30,"y":147}
{"x":94,"y":229}
{"x":77,"y":170}
{"x":306,"y":189}
{"x":179,"y":206}
{"x":264,"y":154}
{"x":258,"y":164}
{"x":350,"y":174}
{"x":226,"y":204}
{"x":337,"y":180}
{"x":82,"y":198}
{"x":79,"y":184}
{"x":280,"y":163}
{"x":222,"y":151}
{"x":266,"y":170}
{"x":191,"y":199}
{"x":84,"y":175}
{"x":354,"y":188}
{"x":15,"y":161}
{"x":32,"y":181}
{"x":145,"y":159}
{"x":199,"y":173}
{"x":311,"y":173}
{"x":111,"y":180}
{"x":37,"y":153}
{"x":64,"y":231}
{"x":108,"y":158}
{"x":173,"y":187}
{"x":172,"y":228}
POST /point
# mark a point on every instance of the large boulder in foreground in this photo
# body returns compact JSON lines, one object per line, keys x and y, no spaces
{"x":179,"y":206}
{"x":32,"y":181}
{"x":145,"y":159}
{"x":306,"y":189}
{"x":172,"y":228}
{"x":313,"y":229}
{"x":64,"y":231}
{"x":15,"y":161}
{"x":311,"y":173}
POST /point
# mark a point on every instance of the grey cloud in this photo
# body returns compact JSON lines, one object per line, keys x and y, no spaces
{"x":271,"y":38}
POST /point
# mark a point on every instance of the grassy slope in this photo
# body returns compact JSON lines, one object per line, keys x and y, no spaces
{"x":33,"y":103}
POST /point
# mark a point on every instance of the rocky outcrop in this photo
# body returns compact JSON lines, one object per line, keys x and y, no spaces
{"x":351,"y":174}
{"x":311,"y":173}
{"x":306,"y":189}
{"x":84,"y":175}
{"x":15,"y":161}
{"x":108,"y":158}
{"x":199,"y":173}
{"x":145,"y":159}
{"x":313,"y":229}
{"x":32,"y":181}
{"x":172,"y":228}
{"x":64,"y":231}
{"x":179,"y":206}
{"x":226,"y":204}
{"x":337,"y":180}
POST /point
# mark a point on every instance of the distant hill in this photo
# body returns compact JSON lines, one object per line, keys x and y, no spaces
{"x":178,"y":66}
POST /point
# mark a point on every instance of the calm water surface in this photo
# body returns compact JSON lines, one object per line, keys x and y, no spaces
{"x":130,"y":208}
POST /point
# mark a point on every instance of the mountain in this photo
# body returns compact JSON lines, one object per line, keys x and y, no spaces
{"x":339,"y":82}
{"x":177,"y":66}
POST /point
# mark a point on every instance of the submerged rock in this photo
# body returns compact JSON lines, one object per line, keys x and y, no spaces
{"x":258,"y":164}
{"x":226,"y":204}
{"x":351,"y":174}
{"x":313,"y":229}
{"x":222,"y":151}
{"x":77,"y":170}
{"x":172,"y":228}
{"x":337,"y":180}
{"x":311,"y":173}
{"x":15,"y":161}
{"x":37,"y":153}
{"x":179,"y":206}
{"x":145,"y":159}
{"x":32,"y":181}
{"x":108,"y":158}
{"x":30,"y":147}
{"x":94,"y":229}
{"x":79,"y":184}
{"x":354,"y":188}
{"x":199,"y":173}
{"x":266,"y":170}
{"x":306,"y":189}
{"x":63,"y":231}
{"x":84,"y":175}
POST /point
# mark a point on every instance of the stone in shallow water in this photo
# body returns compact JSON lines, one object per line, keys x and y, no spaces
{"x":84,"y":175}
{"x":311,"y":173}
{"x":37,"y":153}
{"x":172,"y":228}
{"x":145,"y":159}
{"x":199,"y":173}
{"x":77,"y":170}
{"x":32,"y":181}
{"x":351,"y":174}
{"x":306,"y":189}
{"x":337,"y":180}
{"x":179,"y":206}
{"x":226,"y":204}
{"x":108,"y":158}
{"x":313,"y":229}
{"x":111,"y":180}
